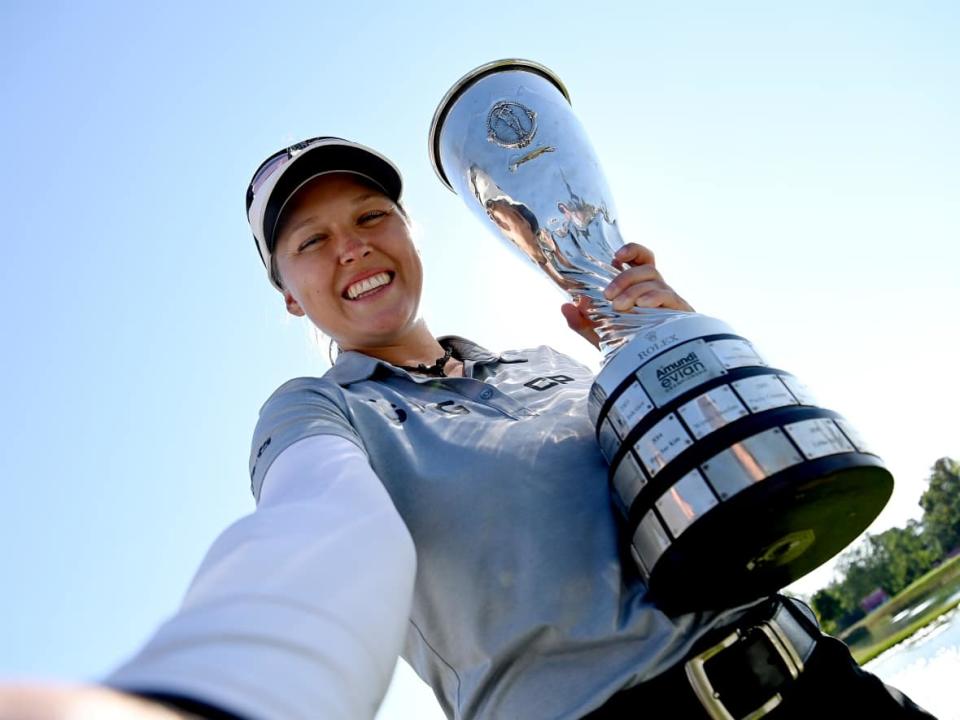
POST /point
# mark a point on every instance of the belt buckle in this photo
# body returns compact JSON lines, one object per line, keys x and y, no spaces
{"x":710,"y":698}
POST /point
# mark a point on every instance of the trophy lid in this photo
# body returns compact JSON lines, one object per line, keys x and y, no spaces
{"x":465,"y":82}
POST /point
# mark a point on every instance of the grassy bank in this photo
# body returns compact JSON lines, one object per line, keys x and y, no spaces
{"x":922,"y":602}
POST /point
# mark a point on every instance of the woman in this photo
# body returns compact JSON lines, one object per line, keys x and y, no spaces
{"x":430,"y":496}
{"x":521,"y":604}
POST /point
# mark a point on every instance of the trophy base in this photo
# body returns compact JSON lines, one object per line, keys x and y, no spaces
{"x":771,"y":534}
{"x":733,"y":480}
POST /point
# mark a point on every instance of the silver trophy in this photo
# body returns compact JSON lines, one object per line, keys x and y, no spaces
{"x":732,"y":480}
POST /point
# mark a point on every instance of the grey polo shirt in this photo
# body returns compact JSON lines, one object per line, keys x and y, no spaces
{"x":525,"y":604}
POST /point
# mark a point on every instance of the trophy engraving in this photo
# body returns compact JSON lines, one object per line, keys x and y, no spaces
{"x":732,"y":480}
{"x":511,"y":125}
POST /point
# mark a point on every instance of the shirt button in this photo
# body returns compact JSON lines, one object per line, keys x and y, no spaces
{"x":486,"y":394}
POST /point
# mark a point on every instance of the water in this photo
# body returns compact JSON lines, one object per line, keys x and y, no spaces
{"x":926,"y":666}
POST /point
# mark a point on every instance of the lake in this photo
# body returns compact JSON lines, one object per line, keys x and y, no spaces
{"x":926,"y":666}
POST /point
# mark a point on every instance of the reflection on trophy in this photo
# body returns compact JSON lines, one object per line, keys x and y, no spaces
{"x":732,"y":480}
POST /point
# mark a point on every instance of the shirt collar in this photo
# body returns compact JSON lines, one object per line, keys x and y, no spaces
{"x":353,"y":366}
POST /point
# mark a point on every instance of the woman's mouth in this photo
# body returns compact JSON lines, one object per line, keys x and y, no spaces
{"x":368,"y":286}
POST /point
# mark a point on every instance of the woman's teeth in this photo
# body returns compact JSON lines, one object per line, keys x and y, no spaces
{"x":367,"y":285}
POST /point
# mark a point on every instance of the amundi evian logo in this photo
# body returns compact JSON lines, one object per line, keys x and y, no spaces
{"x":680,"y":371}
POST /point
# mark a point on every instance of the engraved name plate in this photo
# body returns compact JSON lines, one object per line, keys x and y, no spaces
{"x":712,"y":410}
{"x":853,"y":436}
{"x":629,"y":479}
{"x":650,"y":540}
{"x":689,"y":499}
{"x":763,"y":392}
{"x":800,"y":391}
{"x":629,"y":409}
{"x":818,"y":437}
{"x":662,"y":443}
{"x":609,"y":442}
{"x":750,"y":461}
{"x":733,"y":353}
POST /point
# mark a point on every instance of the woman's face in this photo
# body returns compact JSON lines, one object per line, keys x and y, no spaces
{"x":348,"y":263}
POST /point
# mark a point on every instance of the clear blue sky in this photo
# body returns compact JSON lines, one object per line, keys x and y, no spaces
{"x":796,"y":167}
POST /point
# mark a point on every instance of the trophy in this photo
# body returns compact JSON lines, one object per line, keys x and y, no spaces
{"x":732,"y":481}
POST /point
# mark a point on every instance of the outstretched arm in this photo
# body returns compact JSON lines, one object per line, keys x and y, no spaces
{"x":298,"y":610}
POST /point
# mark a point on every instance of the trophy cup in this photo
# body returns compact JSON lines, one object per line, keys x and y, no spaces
{"x":732,"y":481}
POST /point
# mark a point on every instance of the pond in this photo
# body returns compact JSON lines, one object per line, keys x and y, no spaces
{"x":926,"y":666}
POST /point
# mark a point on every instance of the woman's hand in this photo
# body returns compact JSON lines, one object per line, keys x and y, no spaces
{"x":639,"y":285}
{"x":78,"y":702}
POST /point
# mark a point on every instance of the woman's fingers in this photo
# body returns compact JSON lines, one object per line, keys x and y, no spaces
{"x":633,"y":254}
{"x":579,"y":322}
{"x":641,"y":284}
{"x":630,"y":277}
{"x":650,"y":295}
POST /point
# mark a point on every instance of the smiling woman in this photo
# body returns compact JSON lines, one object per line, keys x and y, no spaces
{"x":431,"y":498}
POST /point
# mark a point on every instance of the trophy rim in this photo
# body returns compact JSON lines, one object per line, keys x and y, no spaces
{"x":461,"y":85}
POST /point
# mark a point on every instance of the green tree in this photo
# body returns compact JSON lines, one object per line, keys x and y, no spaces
{"x":941,"y":504}
{"x":829,"y":607}
{"x":862,"y":570}
{"x":901,"y":555}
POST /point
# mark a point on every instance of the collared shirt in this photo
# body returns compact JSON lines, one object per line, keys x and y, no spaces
{"x":525,"y":601}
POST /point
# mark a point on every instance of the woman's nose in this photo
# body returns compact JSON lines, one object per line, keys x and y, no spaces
{"x":353,"y":249}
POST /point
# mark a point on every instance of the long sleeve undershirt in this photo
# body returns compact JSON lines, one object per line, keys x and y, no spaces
{"x":299,"y":609}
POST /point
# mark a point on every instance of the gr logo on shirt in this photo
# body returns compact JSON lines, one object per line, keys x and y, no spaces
{"x":545,"y":383}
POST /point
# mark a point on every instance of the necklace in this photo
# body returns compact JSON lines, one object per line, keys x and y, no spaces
{"x":435,"y":370}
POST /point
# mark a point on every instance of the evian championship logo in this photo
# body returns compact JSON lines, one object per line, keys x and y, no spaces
{"x":674,"y":374}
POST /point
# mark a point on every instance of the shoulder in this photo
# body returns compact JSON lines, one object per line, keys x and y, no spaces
{"x":299,"y":408}
{"x":304,"y":397}
{"x":303,"y":388}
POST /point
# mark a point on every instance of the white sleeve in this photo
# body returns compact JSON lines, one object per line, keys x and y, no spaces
{"x":298,"y":610}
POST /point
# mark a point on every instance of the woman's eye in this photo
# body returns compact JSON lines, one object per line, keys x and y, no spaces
{"x":310,"y":241}
{"x":370,"y":216}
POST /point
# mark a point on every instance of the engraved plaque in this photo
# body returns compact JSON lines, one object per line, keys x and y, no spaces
{"x":763,"y":392}
{"x":686,"y":501}
{"x":750,"y":461}
{"x":609,"y":442}
{"x":597,"y":397}
{"x":678,"y":370}
{"x":650,"y":540}
{"x":662,"y":443}
{"x":712,"y":410}
{"x":629,"y":409}
{"x":800,"y":391}
{"x":853,"y":436}
{"x":818,"y":437}
{"x":733,"y":353}
{"x":629,"y":479}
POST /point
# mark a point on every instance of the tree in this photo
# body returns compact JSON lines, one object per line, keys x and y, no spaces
{"x":828,"y":605}
{"x":941,"y":504}
{"x":902,"y":555}
{"x":893,"y":559}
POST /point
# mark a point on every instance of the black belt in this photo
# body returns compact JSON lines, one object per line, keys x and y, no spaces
{"x":739,"y":671}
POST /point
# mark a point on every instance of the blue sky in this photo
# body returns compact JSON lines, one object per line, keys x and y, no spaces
{"x":796,"y":169}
